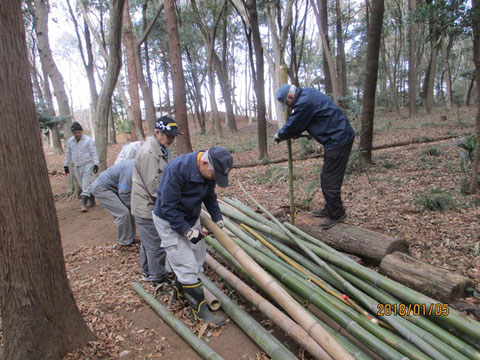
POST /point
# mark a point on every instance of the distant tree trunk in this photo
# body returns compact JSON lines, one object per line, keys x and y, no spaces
{"x":216,"y":126}
{"x":104,"y":103}
{"x":196,"y":93}
{"x":112,"y":134}
{"x":412,"y":58}
{"x":370,"y":82}
{"x":179,"y":93}
{"x":446,"y":66}
{"x":40,"y":319}
{"x":132,"y":73}
{"x":323,"y":13}
{"x":167,"y":86}
{"x":258,"y":78}
{"x":468,"y":94}
{"x":341,"y":64}
{"x":393,"y":87}
{"x":476,"y":60}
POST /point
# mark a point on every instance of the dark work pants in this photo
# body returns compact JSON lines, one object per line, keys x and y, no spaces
{"x":334,"y":165}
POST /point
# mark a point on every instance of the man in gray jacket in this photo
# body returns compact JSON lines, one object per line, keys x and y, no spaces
{"x":113,"y":190}
{"x":81,"y":150}
{"x":149,"y":163}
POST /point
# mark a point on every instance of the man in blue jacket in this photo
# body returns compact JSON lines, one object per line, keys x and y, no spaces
{"x":316,"y":113}
{"x":113,"y":190}
{"x":187,"y":182}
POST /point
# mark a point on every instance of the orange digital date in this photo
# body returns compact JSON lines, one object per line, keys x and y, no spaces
{"x":413,"y":309}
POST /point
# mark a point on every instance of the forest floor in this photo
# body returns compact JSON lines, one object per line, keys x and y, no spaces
{"x":388,"y":197}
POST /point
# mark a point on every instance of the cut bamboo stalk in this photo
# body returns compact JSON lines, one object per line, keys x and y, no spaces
{"x":273,"y":347}
{"x":295,"y":310}
{"x":237,"y":204}
{"x":290,"y":327}
{"x":198,"y":345}
{"x":212,"y":302}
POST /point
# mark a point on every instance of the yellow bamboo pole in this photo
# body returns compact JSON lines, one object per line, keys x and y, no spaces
{"x":294,"y":309}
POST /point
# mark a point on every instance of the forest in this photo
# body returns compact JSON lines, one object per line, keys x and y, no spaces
{"x":405,"y":73}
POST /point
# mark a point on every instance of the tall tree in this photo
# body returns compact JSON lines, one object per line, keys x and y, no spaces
{"x":104,"y":103}
{"x":412,"y":59}
{"x":370,"y":83}
{"x":40,"y":319}
{"x":476,"y":60}
{"x":132,"y":72}
{"x":323,"y":22}
{"x":179,"y":92}
{"x":341,"y":61}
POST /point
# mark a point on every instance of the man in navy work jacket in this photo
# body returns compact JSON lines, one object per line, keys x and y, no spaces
{"x":187,"y":182}
{"x":113,"y":190}
{"x":316,"y":113}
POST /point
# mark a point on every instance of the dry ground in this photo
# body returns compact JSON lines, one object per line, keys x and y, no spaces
{"x":385,"y":198}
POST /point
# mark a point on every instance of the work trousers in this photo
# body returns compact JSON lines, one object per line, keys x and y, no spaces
{"x":124,"y":221}
{"x":84,"y":174}
{"x":333,"y":170}
{"x":152,"y":255}
{"x":185,"y":259}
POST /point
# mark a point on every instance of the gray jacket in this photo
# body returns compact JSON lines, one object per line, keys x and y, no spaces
{"x":118,"y":178}
{"x":81,"y":152}
{"x":149,"y":163}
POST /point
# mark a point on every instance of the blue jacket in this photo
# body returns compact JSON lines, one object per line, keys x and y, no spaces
{"x":316,"y":113}
{"x":181,"y":193}
{"x":118,"y":178}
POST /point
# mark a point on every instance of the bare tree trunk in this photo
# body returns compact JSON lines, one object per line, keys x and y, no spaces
{"x":179,"y":93}
{"x":476,"y":60}
{"x":370,"y":83}
{"x":39,"y":316}
{"x":468,"y":95}
{"x":104,"y":103}
{"x":132,"y":72}
{"x":323,"y":14}
{"x":112,"y":135}
{"x":446,"y":66}
{"x":412,"y":76}
{"x":341,"y":64}
{"x":393,"y":87}
{"x":167,"y":86}
{"x":216,"y":126}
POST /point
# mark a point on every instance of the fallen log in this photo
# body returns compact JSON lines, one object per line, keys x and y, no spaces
{"x":366,"y":244}
{"x":430,"y":280}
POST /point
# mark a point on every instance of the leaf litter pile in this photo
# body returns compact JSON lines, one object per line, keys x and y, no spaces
{"x":392,"y":197}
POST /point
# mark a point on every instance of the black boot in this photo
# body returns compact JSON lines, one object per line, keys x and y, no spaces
{"x":177,"y":293}
{"x":195,"y":298}
{"x":83,"y":207}
{"x":91,"y":201}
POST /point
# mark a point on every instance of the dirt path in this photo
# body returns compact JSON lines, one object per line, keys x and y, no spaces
{"x":137,"y":332}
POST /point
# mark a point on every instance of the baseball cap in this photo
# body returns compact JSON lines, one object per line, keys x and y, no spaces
{"x":167,"y":126}
{"x":283,"y":92}
{"x":222,"y":162}
{"x":76,"y":126}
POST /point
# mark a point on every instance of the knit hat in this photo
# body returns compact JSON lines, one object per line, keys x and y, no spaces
{"x":167,"y":126}
{"x":76,"y":126}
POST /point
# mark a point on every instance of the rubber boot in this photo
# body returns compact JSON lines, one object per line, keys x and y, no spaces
{"x":195,"y":298}
{"x":83,"y":208}
{"x":91,"y":201}
{"x":177,"y":293}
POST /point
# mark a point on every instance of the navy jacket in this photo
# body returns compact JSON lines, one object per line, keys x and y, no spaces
{"x":316,"y":113}
{"x":181,"y":193}
{"x":118,"y":178}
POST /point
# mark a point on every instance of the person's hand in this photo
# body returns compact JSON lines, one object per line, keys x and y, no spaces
{"x":95,"y":169}
{"x":277,"y":139}
{"x":194,"y":235}
{"x":220,"y":224}
{"x":66,"y":170}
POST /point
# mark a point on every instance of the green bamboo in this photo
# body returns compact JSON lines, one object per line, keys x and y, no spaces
{"x":384,"y":298}
{"x":237,"y":204}
{"x":273,"y":347}
{"x":198,"y":345}
{"x":455,"y":318}
{"x":366,"y":301}
{"x":299,"y":285}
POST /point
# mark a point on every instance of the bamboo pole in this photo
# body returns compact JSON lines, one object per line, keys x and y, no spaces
{"x":295,"y":310}
{"x":289,"y":326}
{"x":198,"y":345}
{"x":241,"y":207}
{"x":212,"y":302}
{"x":273,"y":347}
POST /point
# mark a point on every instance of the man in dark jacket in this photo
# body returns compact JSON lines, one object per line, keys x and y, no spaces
{"x":187,"y":182}
{"x":316,"y":113}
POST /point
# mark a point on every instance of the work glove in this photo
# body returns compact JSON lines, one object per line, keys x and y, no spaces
{"x":277,"y":139}
{"x":194,"y":235}
{"x":220,"y":224}
{"x":95,"y":169}
{"x":66,"y":170}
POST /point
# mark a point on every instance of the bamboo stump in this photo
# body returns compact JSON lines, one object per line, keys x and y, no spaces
{"x":369,"y":245}
{"x":429,"y":280}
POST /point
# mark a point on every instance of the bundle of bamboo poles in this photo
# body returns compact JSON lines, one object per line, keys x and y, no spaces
{"x":285,"y":263}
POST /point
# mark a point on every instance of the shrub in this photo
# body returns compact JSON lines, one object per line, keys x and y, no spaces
{"x":433,"y":151}
{"x":468,"y":146}
{"x":435,"y":200}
